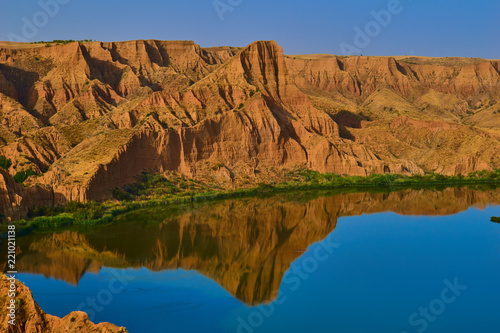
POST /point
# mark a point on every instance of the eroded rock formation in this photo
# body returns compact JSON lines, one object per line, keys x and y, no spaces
{"x":89,"y":117}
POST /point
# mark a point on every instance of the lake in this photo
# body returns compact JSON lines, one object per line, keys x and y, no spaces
{"x":406,"y":261}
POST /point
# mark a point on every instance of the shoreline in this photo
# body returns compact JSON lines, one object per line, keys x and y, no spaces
{"x":92,"y":213}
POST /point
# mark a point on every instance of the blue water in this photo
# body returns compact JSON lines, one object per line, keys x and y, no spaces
{"x":368,"y":276}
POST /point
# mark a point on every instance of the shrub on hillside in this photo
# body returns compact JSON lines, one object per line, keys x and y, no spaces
{"x":21,"y":176}
{"x":5,"y":162}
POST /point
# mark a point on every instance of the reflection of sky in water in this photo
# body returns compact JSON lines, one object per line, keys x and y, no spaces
{"x":386,"y":267}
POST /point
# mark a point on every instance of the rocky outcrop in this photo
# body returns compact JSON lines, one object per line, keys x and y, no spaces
{"x":93,"y":77}
{"x":30,"y":318}
{"x":7,"y":88}
{"x":247,"y":110}
{"x":15,"y":200}
{"x":436,"y":146}
{"x":465,"y":165}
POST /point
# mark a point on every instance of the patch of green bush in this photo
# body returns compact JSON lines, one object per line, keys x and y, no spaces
{"x":21,"y":176}
{"x":44,"y":211}
{"x":122,"y":195}
{"x":5,"y":162}
{"x":64,"y":41}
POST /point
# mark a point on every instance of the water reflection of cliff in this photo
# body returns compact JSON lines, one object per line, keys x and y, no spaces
{"x":245,"y":245}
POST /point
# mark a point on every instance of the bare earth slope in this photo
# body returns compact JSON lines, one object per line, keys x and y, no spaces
{"x":88,"y":117}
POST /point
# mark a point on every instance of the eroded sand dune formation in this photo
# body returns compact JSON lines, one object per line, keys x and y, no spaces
{"x":88,"y":117}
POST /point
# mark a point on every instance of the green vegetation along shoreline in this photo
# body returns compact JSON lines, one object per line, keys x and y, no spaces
{"x":155,"y":190}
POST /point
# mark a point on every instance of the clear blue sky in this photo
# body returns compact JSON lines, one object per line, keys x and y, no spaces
{"x":422,"y":27}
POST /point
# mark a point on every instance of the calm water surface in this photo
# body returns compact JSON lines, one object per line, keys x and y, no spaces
{"x":408,"y":261}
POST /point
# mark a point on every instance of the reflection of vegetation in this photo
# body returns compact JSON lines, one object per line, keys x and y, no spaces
{"x":495,"y":219}
{"x":156,"y":190}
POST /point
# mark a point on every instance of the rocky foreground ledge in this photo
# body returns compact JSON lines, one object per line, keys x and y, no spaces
{"x":30,"y":318}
